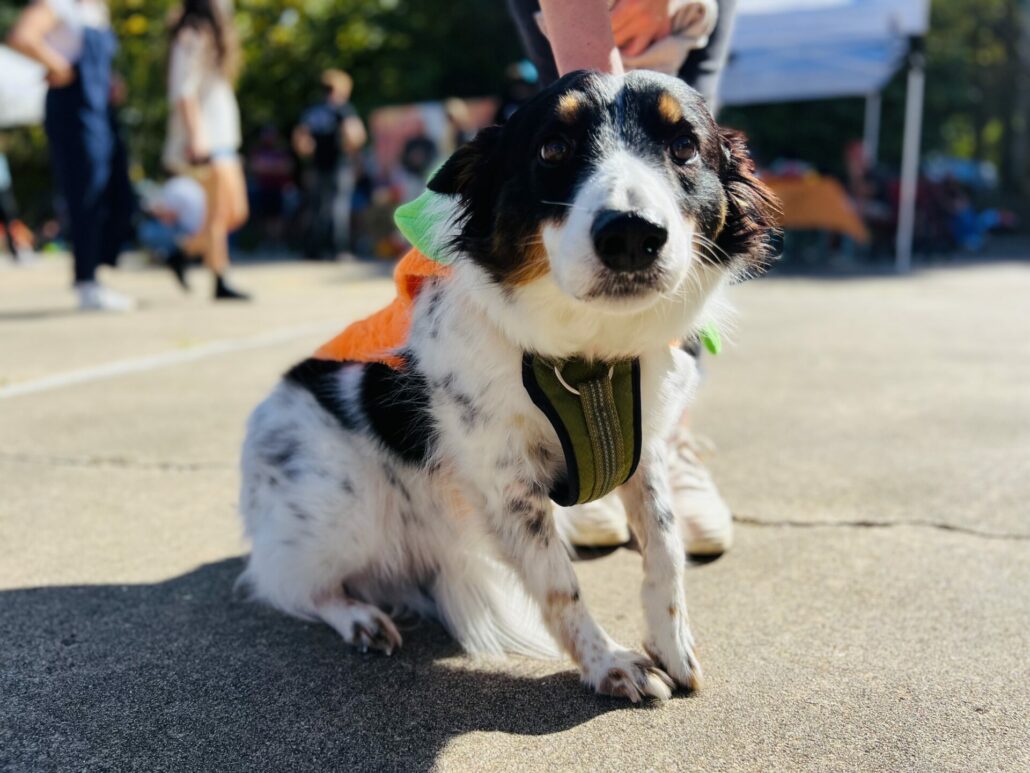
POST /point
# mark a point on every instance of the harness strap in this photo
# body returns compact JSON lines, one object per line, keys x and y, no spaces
{"x":594,"y":408}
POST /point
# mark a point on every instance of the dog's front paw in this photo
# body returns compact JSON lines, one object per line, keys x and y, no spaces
{"x":680,"y":663}
{"x":630,"y":675}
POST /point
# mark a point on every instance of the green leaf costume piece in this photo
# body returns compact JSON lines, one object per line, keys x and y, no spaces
{"x":711,"y":339}
{"x":417,"y":222}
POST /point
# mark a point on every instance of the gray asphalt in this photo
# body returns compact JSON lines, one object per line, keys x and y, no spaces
{"x":873,"y":438}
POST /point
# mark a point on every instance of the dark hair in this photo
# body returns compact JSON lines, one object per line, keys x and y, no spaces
{"x":206,"y":15}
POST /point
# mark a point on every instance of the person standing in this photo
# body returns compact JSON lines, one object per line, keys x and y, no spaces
{"x":329,"y":135}
{"x":204,"y":125}
{"x":9,"y":213}
{"x":688,"y":38}
{"x":73,"y":40}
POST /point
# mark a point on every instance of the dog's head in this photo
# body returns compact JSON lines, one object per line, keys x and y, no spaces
{"x":621,"y":192}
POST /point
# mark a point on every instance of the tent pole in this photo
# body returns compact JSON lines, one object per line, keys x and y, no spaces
{"x":871,"y":132}
{"x":910,"y":156}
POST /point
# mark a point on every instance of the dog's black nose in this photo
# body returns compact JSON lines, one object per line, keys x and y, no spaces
{"x":627,"y":241}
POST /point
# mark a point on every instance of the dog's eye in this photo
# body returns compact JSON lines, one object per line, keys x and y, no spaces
{"x":683,"y":149}
{"x":554,"y":150}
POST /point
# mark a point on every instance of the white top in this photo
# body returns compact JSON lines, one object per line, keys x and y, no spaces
{"x":193,"y":71}
{"x":73,"y":16}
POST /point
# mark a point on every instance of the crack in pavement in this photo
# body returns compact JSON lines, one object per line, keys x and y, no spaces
{"x":868,"y":524}
{"x":121,"y":462}
{"x":116,"y":462}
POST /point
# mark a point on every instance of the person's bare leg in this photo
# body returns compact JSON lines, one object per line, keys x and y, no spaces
{"x":235,"y":192}
{"x":226,"y":210}
{"x":215,"y":232}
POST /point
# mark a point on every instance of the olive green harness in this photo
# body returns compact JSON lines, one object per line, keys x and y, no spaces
{"x":594,"y":408}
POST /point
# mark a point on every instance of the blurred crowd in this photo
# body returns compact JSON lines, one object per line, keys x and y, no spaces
{"x":329,"y":189}
{"x":325,"y":184}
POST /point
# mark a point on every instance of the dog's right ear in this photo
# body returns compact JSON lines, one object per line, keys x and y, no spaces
{"x":752,"y":209}
{"x":467,"y":171}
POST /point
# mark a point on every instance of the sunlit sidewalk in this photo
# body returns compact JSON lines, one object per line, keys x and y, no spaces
{"x":873,"y":439}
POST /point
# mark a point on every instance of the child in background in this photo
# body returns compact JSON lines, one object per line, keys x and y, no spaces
{"x":173,"y":225}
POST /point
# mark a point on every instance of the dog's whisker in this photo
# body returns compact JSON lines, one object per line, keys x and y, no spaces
{"x":562,"y":204}
{"x":712,"y":246}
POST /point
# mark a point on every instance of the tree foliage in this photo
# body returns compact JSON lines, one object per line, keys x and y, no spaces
{"x":408,"y":50}
{"x":397,"y":51}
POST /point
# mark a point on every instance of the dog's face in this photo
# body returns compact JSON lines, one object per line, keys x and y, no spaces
{"x":619,"y":188}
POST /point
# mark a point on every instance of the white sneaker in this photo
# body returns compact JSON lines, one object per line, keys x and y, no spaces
{"x":705,"y":518}
{"x":96,"y":297}
{"x":25,"y":257}
{"x":599,"y":524}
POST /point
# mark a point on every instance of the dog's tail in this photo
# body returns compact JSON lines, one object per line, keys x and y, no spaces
{"x":481,"y":602}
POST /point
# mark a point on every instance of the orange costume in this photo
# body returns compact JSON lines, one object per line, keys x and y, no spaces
{"x":374,"y":338}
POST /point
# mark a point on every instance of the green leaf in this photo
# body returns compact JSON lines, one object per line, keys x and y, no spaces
{"x":711,"y":339}
{"x":416,"y":221}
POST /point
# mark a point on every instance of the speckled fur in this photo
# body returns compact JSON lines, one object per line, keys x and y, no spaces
{"x":342,"y":528}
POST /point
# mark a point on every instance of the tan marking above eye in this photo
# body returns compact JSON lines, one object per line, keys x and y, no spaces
{"x":669,"y":108}
{"x":569,"y":106}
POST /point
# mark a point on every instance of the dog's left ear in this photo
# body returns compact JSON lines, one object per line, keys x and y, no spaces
{"x":751,"y":207}
{"x":471,"y":175}
{"x":467,"y":170}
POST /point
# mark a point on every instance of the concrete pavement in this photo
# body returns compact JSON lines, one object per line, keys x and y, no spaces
{"x":873,"y":438}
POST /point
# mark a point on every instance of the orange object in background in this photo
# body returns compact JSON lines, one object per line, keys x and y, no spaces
{"x":818,"y":203}
{"x":373,"y":338}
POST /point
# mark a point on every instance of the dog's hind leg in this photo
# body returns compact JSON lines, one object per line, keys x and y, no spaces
{"x":363,"y":625}
{"x":317,"y":511}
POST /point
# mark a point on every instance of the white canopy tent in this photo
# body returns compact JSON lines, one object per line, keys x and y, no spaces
{"x":795,"y":50}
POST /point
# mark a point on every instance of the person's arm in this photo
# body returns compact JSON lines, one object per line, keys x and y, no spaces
{"x":353,"y":134}
{"x":303,"y":142}
{"x":189,"y":109}
{"x":183,"y":86}
{"x":28,"y":36}
{"x":580,"y":33}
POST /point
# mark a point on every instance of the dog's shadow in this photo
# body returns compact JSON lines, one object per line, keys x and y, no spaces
{"x":181,"y":675}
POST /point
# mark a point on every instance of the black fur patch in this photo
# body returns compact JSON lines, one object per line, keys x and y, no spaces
{"x":469,"y":411}
{"x":321,"y":379}
{"x":396,"y":403}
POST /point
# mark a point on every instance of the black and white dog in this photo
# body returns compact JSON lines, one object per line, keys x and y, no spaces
{"x":599,"y":223}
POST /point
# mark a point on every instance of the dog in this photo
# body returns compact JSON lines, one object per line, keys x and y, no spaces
{"x":599,"y":223}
